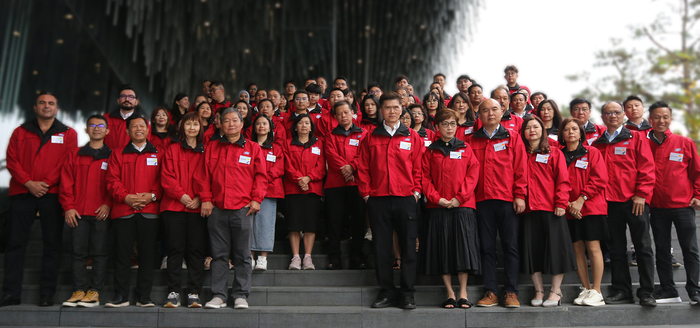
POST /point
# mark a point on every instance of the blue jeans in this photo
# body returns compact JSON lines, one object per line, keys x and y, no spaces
{"x":264,"y":226}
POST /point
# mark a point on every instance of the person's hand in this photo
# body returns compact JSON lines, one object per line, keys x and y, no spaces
{"x":37,"y":188}
{"x":366,"y":199}
{"x":72,"y":218}
{"x":186,"y":200}
{"x":416,"y":197}
{"x":134,"y":201}
{"x":194,"y":203}
{"x":102,"y":212}
{"x":519,"y":205}
{"x":559,"y":211}
{"x":575,"y":207}
{"x":253,"y":206}
{"x":454,"y":203}
{"x":146,"y":198}
{"x":695,"y":203}
{"x":346,"y":171}
{"x":207,"y":208}
{"x":638,"y":205}
{"x":444,"y":203}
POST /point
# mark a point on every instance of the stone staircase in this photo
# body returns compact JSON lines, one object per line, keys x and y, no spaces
{"x":340,"y":298}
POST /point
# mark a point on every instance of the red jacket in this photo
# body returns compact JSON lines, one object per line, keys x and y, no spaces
{"x":630,"y":166}
{"x":644,"y":128}
{"x":274,"y":159}
{"x":450,"y":170}
{"x":593,"y":132}
{"x":509,"y":121}
{"x":547,"y":181}
{"x":117,"y":138}
{"x":427,"y":135}
{"x":677,"y":171}
{"x":588,"y":176}
{"x":464,"y":130}
{"x":216,"y":105}
{"x":182,"y":173}
{"x":302,"y":160}
{"x":161,"y":140}
{"x":367,"y":125}
{"x":390,"y":165}
{"x":83,"y":180}
{"x":235,"y":174}
{"x":132,"y":172}
{"x":35,"y":156}
{"x":278,"y":130}
{"x":342,"y":148}
{"x":328,"y":121}
{"x":315,"y":118}
{"x":503,"y":165}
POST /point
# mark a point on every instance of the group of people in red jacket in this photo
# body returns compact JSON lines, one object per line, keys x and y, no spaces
{"x":453,"y":173}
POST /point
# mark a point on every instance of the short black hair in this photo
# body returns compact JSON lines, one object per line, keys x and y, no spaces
{"x":128,"y":87}
{"x":135,"y":117}
{"x":475,"y":85}
{"x":463,"y":77}
{"x":215,"y":84}
{"x":374,"y":84}
{"x":344,"y":92}
{"x":401,"y":77}
{"x":439,"y":74}
{"x":539,"y":94}
{"x":250,"y":85}
{"x":45,"y":93}
{"x":510,"y":68}
{"x":579,"y":100}
{"x":340,"y":78}
{"x":97,"y":116}
{"x":289,"y":82}
{"x":386,"y":96}
{"x":300,"y":92}
{"x":659,"y":104}
{"x":630,"y":98}
{"x":314,"y":88}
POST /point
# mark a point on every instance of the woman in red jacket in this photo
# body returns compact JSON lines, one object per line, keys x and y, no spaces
{"x":264,"y":224}
{"x":205,"y":114}
{"x":545,"y":243}
{"x":450,"y":175}
{"x":587,"y":210}
{"x":305,"y":166}
{"x":161,"y":130}
{"x":421,"y":125}
{"x":548,"y":111}
{"x":181,"y":176}
{"x":466,"y":122}
{"x":370,"y":113}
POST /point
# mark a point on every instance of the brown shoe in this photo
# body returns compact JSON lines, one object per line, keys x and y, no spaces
{"x":488,"y":300}
{"x":74,"y":299}
{"x":512,"y":300}
{"x":91,"y":299}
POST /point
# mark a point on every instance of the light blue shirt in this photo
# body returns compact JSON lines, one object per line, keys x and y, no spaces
{"x":494,"y":131}
{"x":615,"y":134}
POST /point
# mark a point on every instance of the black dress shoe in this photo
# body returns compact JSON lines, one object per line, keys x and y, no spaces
{"x":357,"y":264}
{"x":334,"y":265}
{"x":9,"y":300}
{"x":647,"y":300}
{"x":117,"y":301}
{"x":619,"y":298}
{"x":408,"y":303}
{"x":46,"y":300}
{"x":383,"y":302}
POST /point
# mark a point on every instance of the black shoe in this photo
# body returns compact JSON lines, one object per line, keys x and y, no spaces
{"x":664,"y":296}
{"x":334,"y":265}
{"x":694,"y":298}
{"x":9,"y":300}
{"x":145,"y":302}
{"x":408,"y":303}
{"x":118,"y":301}
{"x":647,"y":300}
{"x":382,"y":302}
{"x":619,"y":298}
{"x":356,"y":263}
{"x":46,"y":300}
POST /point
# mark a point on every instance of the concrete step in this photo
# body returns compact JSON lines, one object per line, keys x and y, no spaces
{"x":352,"y":316}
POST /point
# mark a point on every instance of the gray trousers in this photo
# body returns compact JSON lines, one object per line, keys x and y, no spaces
{"x":230,"y":231}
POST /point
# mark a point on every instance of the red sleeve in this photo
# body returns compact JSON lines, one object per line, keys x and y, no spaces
{"x":471,"y":178}
{"x":319,"y":170}
{"x":168,"y":178}
{"x":645,"y":170}
{"x":519,"y":169}
{"x":203,"y":178}
{"x":694,"y":168}
{"x":417,"y":157}
{"x":277,"y":169}
{"x":259,"y":176}
{"x":427,"y":182}
{"x":363,"y":174}
{"x":598,"y":175}
{"x":71,"y":142}
{"x":13,"y":156}
{"x":289,"y":170}
{"x":157,"y":187}
{"x":562,"y":184}
{"x":65,"y":190}
{"x":335,"y":161}
{"x":114,"y":183}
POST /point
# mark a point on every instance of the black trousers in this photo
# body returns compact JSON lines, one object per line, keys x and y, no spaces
{"x":619,"y":217}
{"x":345,"y":207}
{"x":89,"y":237}
{"x":387,"y":214}
{"x":498,"y":217}
{"x":145,"y":233}
{"x":187,"y":232}
{"x":684,"y":220}
{"x":23,"y":212}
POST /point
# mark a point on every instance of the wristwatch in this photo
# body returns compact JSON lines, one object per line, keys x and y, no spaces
{"x":153,"y":197}
{"x":585,"y":198}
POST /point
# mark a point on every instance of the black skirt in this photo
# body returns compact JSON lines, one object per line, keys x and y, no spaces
{"x":591,"y":227}
{"x":302,"y":212}
{"x":451,"y":242}
{"x":545,"y":244}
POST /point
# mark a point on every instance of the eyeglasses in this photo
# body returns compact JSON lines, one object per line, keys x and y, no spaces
{"x":615,"y":113}
{"x":417,"y":114}
{"x":124,"y":97}
{"x":431,"y":101}
{"x":451,"y":124}
{"x":96,"y":126}
{"x":301,"y":99}
{"x":374,"y":92}
{"x":579,"y":109}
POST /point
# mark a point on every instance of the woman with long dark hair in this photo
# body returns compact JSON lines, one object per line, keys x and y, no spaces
{"x":205,"y":114}
{"x":548,"y":111}
{"x":247,"y":113}
{"x":161,"y":129}
{"x":180,"y":107}
{"x":370,"y":113}
{"x":465,"y":117}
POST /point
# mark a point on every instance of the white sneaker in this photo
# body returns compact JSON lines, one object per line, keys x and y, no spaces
{"x":164,"y":263}
{"x":594,"y":298}
{"x":215,"y":303}
{"x":295,"y":264}
{"x":184,"y":265}
{"x":240,"y":303}
{"x":581,"y":296}
{"x":308,"y":263}
{"x":368,"y":234}
{"x":261,"y":264}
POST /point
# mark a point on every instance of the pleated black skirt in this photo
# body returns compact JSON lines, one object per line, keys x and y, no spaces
{"x":302,"y":211}
{"x":451,"y":242}
{"x":545,"y":244}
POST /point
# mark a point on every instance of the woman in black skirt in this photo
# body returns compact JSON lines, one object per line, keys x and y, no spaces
{"x":450,"y":175}
{"x":305,"y":167}
{"x":545,"y":243}
{"x":587,"y":212}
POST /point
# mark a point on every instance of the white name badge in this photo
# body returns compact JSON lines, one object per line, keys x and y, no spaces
{"x":499,"y":146}
{"x":590,"y":141}
{"x":676,"y":157}
{"x":152,"y":161}
{"x":244,"y":159}
{"x":554,"y":137}
{"x":620,"y":150}
{"x":542,"y":158}
{"x":455,"y":155}
{"x":316,"y":150}
{"x":271,"y":158}
{"x":354,"y":116}
{"x":318,"y":116}
{"x":57,"y":139}
{"x":469,"y":130}
{"x":104,"y":166}
{"x":428,"y":143}
{"x":354,"y":142}
{"x":405,"y":145}
{"x":581,"y":164}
